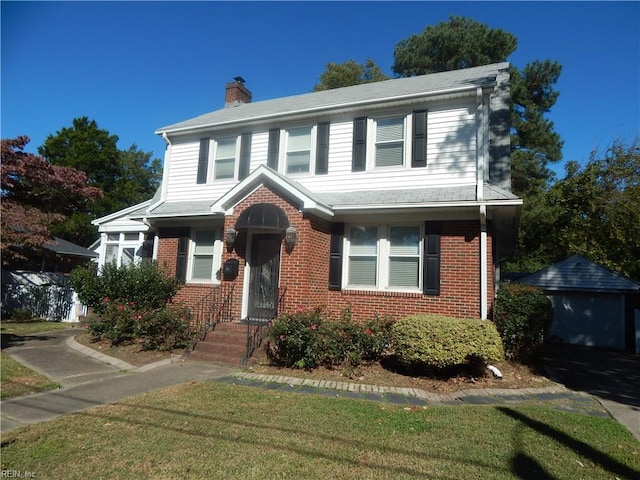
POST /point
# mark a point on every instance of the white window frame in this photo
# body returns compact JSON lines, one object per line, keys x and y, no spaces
{"x":383,"y":257}
{"x":121,"y":245}
{"x":213,"y":155}
{"x":284,"y":149}
{"x":217,"y":256}
{"x":372,"y":131}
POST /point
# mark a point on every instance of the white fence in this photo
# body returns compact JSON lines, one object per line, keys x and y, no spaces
{"x":42,"y":294}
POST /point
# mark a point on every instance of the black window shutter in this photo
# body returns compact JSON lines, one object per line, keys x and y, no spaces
{"x":245,"y":156}
{"x":335,"y":258}
{"x":322,"y":149}
{"x":358,"y":162}
{"x":203,"y":161}
{"x":431,"y":277}
{"x":183,"y":251}
{"x":274,"y":148}
{"x":419,"y":139}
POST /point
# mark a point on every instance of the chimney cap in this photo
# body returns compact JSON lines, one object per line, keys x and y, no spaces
{"x":239,"y":79}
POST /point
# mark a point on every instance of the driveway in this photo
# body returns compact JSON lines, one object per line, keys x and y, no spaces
{"x":611,"y":376}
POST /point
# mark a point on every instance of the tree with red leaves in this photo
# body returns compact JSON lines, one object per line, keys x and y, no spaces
{"x":35,"y":196}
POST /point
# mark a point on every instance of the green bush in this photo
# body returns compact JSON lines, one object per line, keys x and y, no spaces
{"x":116,"y":323}
{"x":523,"y":316}
{"x":164,"y":328}
{"x":431,"y":341}
{"x":307,"y":339}
{"x":144,"y":283}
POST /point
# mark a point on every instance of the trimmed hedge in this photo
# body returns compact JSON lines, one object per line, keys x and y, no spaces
{"x":523,"y":315}
{"x":434,"y":341}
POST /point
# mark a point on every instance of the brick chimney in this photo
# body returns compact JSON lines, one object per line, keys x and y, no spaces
{"x":236,"y":93}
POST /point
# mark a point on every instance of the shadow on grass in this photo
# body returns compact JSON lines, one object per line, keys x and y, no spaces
{"x":525,"y":467}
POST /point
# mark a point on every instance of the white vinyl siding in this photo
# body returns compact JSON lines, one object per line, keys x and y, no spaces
{"x":225,"y":158}
{"x":205,"y":255}
{"x":451,"y":156}
{"x":384,"y":257}
{"x":298,"y":150}
{"x":389,"y":142}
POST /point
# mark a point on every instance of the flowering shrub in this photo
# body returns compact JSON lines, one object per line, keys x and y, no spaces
{"x":122,"y":322}
{"x":307,"y":339}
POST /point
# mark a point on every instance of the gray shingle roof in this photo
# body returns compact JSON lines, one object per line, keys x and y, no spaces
{"x":579,"y":274}
{"x":63,"y":247}
{"x":338,"y":98}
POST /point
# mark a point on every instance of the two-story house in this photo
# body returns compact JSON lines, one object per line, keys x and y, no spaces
{"x":391,"y":198}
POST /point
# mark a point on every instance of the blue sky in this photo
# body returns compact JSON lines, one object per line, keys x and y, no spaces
{"x":134,"y":67}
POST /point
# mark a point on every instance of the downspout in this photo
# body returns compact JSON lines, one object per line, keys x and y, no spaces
{"x":481,"y":127}
{"x":484,"y":313}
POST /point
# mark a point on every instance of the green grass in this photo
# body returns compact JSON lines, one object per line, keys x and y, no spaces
{"x":18,"y":380}
{"x":222,"y":431}
{"x":27,"y":328}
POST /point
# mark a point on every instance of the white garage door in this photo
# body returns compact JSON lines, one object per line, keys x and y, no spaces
{"x":589,"y":319}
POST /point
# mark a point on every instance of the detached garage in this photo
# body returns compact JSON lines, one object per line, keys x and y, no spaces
{"x":592,"y":305}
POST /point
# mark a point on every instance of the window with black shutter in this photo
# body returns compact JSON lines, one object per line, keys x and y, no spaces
{"x":419,"y":155}
{"x":431,"y":277}
{"x":335,"y":258}
{"x":322,"y":149}
{"x":182,"y":254}
{"x":359,"y":145}
{"x":245,"y":156}
{"x":274,"y":148}
{"x":203,"y":161}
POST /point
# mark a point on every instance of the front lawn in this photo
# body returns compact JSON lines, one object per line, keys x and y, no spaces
{"x":27,"y":328}
{"x":224,"y":431}
{"x":17,"y":380}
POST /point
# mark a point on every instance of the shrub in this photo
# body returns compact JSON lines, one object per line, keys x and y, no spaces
{"x":144,"y":283}
{"x":523,"y":316}
{"x":307,"y":339}
{"x":164,"y":328}
{"x":430,"y":341}
{"x":117,"y":322}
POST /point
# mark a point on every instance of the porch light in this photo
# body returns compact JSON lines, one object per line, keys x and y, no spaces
{"x":291,"y":237}
{"x":230,"y":238}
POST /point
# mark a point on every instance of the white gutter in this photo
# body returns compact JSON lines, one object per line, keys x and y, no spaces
{"x":323,"y":108}
{"x":484,"y":310}
{"x":489,"y":203}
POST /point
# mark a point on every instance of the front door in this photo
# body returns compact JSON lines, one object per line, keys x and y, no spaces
{"x":263,"y":277}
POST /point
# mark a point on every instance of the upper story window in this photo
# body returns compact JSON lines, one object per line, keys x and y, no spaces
{"x":389,"y":141}
{"x":225,"y":158}
{"x":385,"y":257}
{"x":298,"y":158}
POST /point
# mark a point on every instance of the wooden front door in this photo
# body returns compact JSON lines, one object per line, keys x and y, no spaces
{"x":264,"y":275}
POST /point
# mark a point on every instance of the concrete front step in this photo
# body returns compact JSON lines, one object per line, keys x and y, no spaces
{"x":227,"y":343}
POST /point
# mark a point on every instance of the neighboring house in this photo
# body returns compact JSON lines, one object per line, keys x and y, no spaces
{"x":42,"y":285}
{"x":592,"y":305}
{"x":391,"y":198}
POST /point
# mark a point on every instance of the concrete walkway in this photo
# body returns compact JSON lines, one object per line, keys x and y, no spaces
{"x":89,"y":378}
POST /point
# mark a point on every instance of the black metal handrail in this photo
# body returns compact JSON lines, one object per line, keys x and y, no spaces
{"x":212,"y":309}
{"x":256,"y":327}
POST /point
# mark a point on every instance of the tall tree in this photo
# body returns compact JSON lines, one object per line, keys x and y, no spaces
{"x":459,"y":43}
{"x":35,"y":197}
{"x":463,"y":43}
{"x":349,"y":73}
{"x":597,"y":209}
{"x":126,"y":177}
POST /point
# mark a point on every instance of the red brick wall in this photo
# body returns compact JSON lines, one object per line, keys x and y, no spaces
{"x":304,"y":270}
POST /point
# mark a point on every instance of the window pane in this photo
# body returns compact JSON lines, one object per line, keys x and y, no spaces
{"x":224,"y":168}
{"x":205,"y":240}
{"x":299,"y":139}
{"x":362,"y":271}
{"x":298,"y":162}
{"x":202,"y":267}
{"x":403,"y":271}
{"x":113,"y":237}
{"x":111,"y":253}
{"x":389,"y":129}
{"x":389,"y":154}
{"x":363,"y":240}
{"x":404,"y":240}
{"x":131,"y":237}
{"x":226,"y":148}
{"x":127,"y":256}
